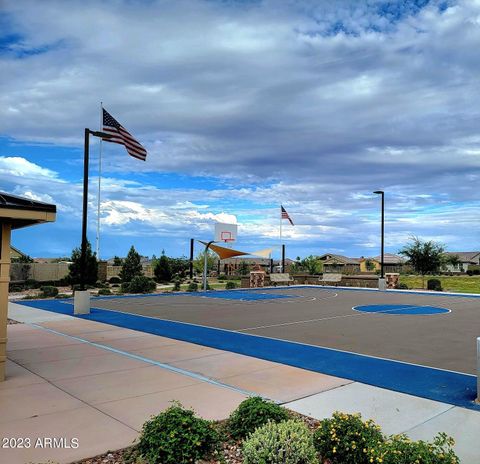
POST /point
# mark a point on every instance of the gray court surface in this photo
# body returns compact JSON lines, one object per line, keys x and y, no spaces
{"x":325,"y":317}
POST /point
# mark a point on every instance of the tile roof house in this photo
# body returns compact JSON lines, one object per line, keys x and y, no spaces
{"x":466,"y":259}
{"x":340,"y":264}
{"x":391,"y":263}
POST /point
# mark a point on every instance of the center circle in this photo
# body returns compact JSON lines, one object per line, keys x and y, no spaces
{"x":402,"y":310}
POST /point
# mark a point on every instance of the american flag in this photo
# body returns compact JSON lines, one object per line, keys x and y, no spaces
{"x":122,"y":136}
{"x":285,"y":215}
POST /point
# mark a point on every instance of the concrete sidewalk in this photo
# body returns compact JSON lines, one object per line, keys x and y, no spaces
{"x":74,"y":378}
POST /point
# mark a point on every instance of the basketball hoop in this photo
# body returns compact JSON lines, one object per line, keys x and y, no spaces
{"x":226,"y":233}
{"x":226,"y":236}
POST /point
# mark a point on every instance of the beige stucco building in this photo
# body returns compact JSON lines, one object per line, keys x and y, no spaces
{"x":15,"y":212}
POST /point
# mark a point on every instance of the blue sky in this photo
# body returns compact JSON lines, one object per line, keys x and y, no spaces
{"x":244,"y":106}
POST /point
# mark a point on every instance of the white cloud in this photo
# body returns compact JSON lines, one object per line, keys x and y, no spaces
{"x":310,"y":104}
{"x":21,"y":167}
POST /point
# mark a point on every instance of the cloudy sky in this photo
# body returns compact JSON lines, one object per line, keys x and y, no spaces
{"x":243,"y":106}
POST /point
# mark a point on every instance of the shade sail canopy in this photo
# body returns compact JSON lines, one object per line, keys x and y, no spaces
{"x":224,"y":253}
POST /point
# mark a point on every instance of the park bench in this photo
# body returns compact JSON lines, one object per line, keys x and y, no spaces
{"x":280,"y":279}
{"x":330,"y":278}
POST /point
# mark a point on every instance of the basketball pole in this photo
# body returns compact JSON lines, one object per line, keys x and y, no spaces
{"x":205,"y":265}
{"x":191,"y":257}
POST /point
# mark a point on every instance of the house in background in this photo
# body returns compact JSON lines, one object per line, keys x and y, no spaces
{"x":15,"y":254}
{"x":466,"y":258}
{"x":391,"y":263}
{"x":340,"y":264}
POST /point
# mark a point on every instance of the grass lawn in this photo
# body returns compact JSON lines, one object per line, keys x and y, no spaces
{"x":461,"y":284}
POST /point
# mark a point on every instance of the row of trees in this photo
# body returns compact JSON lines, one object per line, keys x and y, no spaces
{"x":165,"y":268}
{"x":425,"y":257}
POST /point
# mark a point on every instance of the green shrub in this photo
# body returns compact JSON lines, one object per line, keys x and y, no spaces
{"x":49,"y":291}
{"x":32,"y":283}
{"x":253,"y":413}
{"x":176,"y":285}
{"x":176,"y":436}
{"x":222,"y":277}
{"x":402,"y":286}
{"x":78,"y":286}
{"x":230,"y":285}
{"x":288,"y":442}
{"x":193,"y":287}
{"x":139,"y":284}
{"x":399,"y":449}
{"x":346,"y":439}
{"x":434,"y":284}
{"x":104,"y":291}
{"x":115,"y":280}
{"x":100,"y":284}
{"x":15,"y":287}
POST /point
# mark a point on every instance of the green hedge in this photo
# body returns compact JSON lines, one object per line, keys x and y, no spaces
{"x":253,"y":413}
{"x":288,"y":442}
{"x":176,"y":436}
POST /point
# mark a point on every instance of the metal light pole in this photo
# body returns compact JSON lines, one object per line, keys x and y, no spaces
{"x":86,"y":155}
{"x":82,"y":298}
{"x":205,"y":264}
{"x":382,"y":193}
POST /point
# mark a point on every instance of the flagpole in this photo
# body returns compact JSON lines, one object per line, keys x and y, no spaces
{"x":281,"y":235}
{"x":99,"y":183}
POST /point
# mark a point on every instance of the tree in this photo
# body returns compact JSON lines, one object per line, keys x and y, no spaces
{"x":199,"y":260}
{"x":131,"y":266}
{"x":243,"y":268}
{"x":179,"y":266}
{"x":452,"y":260}
{"x":162,"y":269}
{"x":424,"y":257}
{"x":312,"y":265}
{"x":369,"y":265}
{"x":91,"y":266}
{"x":117,"y":261}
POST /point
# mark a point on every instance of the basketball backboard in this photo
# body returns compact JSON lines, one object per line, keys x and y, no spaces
{"x":226,"y":233}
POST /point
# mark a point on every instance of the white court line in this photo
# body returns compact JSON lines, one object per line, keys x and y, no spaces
{"x":401,"y":308}
{"x":338,"y":350}
{"x":360,"y":313}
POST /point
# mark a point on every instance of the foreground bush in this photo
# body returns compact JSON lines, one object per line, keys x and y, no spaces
{"x":139,"y":284}
{"x":288,"y":442}
{"x":253,"y":413}
{"x":346,"y":439}
{"x":230,"y":285}
{"x":193,"y":287}
{"x":176,"y":436}
{"x":49,"y":291}
{"x":400,"y":449}
{"x":434,"y":284}
{"x":104,"y":291}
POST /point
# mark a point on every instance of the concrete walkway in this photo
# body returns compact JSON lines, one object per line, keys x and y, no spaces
{"x":76,"y":379}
